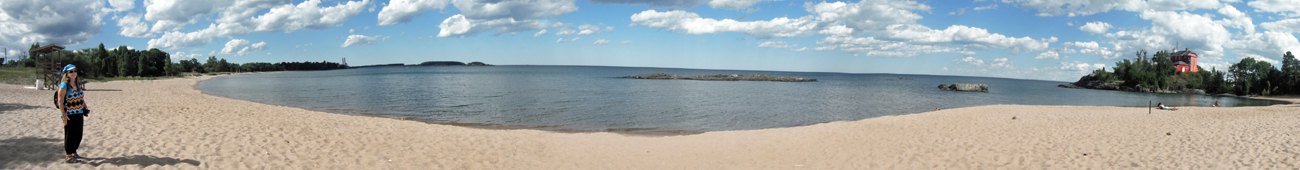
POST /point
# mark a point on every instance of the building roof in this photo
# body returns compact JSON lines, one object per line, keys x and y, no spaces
{"x":1180,"y":63}
{"x":1182,"y":53}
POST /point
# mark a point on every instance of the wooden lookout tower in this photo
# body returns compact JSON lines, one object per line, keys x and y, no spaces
{"x":46,"y":66}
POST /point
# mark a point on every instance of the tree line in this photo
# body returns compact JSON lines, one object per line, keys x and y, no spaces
{"x":1246,"y":77}
{"x":122,"y":61}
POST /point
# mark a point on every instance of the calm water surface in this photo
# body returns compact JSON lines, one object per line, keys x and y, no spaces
{"x":588,"y":99}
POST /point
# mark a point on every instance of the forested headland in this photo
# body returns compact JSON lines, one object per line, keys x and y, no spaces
{"x":1157,"y":73}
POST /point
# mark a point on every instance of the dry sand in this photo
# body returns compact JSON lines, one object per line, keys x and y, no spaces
{"x":168,"y":124}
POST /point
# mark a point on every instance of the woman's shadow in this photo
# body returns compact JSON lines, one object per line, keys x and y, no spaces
{"x":142,"y":160}
{"x":38,"y":150}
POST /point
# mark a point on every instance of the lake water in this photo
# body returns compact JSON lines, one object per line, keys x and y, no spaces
{"x":589,"y":99}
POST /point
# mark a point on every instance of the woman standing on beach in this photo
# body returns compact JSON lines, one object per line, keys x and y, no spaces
{"x":72,"y":107}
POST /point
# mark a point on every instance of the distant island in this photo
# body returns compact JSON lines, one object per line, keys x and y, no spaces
{"x":720,"y":77}
{"x":1173,"y":71}
{"x":430,"y":63}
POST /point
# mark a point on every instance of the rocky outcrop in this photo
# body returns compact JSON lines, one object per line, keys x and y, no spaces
{"x":721,"y":77}
{"x":965,"y":87}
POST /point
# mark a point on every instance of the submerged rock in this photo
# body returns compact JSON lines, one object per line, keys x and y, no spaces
{"x":721,"y":77}
{"x":965,"y":87}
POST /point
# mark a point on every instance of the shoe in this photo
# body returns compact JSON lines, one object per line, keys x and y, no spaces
{"x":77,"y":156}
{"x":73,"y":160}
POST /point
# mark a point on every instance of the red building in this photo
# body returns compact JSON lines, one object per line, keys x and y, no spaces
{"x":1184,"y":61}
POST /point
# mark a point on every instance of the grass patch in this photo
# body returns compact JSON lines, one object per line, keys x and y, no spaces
{"x":18,"y":75}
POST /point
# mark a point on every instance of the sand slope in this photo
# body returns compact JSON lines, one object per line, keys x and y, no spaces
{"x":168,"y":124}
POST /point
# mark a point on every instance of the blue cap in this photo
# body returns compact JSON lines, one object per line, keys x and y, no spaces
{"x":69,"y":68}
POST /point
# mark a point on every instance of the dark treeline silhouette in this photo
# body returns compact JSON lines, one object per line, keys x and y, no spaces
{"x":122,"y":61}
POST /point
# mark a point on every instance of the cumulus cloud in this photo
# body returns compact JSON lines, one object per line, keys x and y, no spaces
{"x":870,"y":46}
{"x":540,"y":33}
{"x":1048,"y":55}
{"x":775,"y":44}
{"x":239,"y":19}
{"x":600,"y":42}
{"x":185,"y":56}
{"x":67,"y":22}
{"x":569,"y":40}
{"x":1096,"y":27}
{"x":1286,"y":25}
{"x":240,"y":47}
{"x":359,"y":40}
{"x":403,"y":11}
{"x":502,"y":16}
{"x":1237,"y":19}
{"x":122,"y":5}
{"x":132,"y":27}
{"x":734,"y":4}
{"x":962,"y":35}
{"x":684,"y":4}
{"x":1075,"y":8}
{"x":1265,"y":45}
{"x":1284,"y":7}
{"x":459,"y":26}
{"x":1169,"y":29}
{"x":691,"y":23}
{"x":1081,"y":67}
{"x":867,"y":15}
{"x":987,"y":7}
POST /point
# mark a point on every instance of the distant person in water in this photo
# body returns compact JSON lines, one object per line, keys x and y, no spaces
{"x":72,"y":107}
{"x":1216,"y":103}
{"x":1162,"y":106}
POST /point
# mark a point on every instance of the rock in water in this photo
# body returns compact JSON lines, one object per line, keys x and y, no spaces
{"x":965,"y":87}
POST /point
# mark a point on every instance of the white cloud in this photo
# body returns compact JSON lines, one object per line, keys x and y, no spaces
{"x":67,"y":22}
{"x":627,"y":43}
{"x":1286,"y":25}
{"x":402,"y":11}
{"x":987,"y":7}
{"x":178,"y":11}
{"x":240,"y":47}
{"x":1096,"y":27}
{"x":734,"y":4}
{"x":870,"y":46}
{"x":600,"y":42}
{"x":238,"y":20}
{"x":132,"y":27}
{"x":307,"y":15}
{"x":962,"y":35}
{"x":684,"y":4}
{"x":185,"y":56}
{"x":1277,"y":6}
{"x":1266,"y":45}
{"x":959,"y":11}
{"x":1075,"y":8}
{"x":971,"y":61}
{"x":586,"y":29}
{"x":691,"y":23}
{"x":1238,"y":19}
{"x":1081,"y":67}
{"x":234,"y":45}
{"x":122,"y":5}
{"x":840,"y":30}
{"x":359,"y":40}
{"x":868,"y":15}
{"x":775,"y":44}
{"x":1048,"y":55}
{"x":800,"y":49}
{"x":569,"y":40}
{"x":1169,"y":29}
{"x":516,"y":9}
{"x":459,"y":26}
{"x":539,"y":33}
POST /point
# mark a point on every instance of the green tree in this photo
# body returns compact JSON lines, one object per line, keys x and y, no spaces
{"x":1290,"y":73}
{"x":1250,"y":76}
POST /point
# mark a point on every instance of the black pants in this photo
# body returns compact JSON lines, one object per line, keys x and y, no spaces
{"x":72,"y":133}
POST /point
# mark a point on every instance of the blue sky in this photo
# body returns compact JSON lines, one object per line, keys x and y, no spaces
{"x":1026,"y":39}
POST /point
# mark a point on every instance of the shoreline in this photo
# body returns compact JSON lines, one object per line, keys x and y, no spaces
{"x":170,"y":124}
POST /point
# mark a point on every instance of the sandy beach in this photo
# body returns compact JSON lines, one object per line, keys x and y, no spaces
{"x":168,"y":124}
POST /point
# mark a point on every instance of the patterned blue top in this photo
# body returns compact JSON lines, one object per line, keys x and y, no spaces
{"x":73,"y":100}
